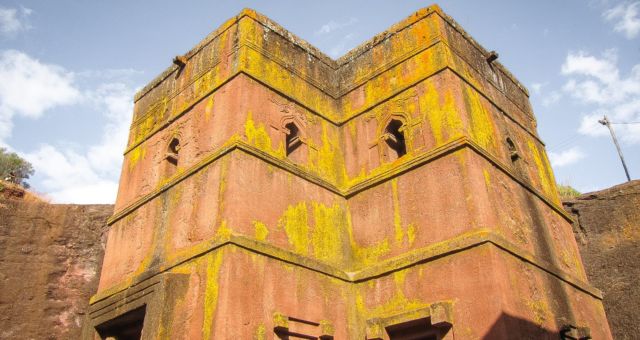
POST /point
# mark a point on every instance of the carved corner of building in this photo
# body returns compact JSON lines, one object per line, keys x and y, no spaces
{"x":398,"y":192}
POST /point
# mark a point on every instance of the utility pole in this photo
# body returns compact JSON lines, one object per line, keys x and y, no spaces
{"x":605,"y":121}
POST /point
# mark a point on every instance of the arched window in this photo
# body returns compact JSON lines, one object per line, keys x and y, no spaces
{"x":394,"y":137}
{"x":292,"y":140}
{"x":172,"y":156}
{"x":513,"y":151}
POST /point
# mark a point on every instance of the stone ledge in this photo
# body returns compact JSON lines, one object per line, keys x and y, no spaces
{"x":352,"y":187}
{"x":458,"y":244}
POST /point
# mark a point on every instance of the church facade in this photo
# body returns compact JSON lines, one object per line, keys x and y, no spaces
{"x":398,"y":192}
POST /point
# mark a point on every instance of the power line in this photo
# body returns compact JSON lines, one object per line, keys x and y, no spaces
{"x":567,"y":143}
{"x":626,"y":123}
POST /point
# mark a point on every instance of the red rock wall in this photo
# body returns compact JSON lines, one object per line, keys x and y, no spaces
{"x":608,"y":234}
{"x":50,"y":259}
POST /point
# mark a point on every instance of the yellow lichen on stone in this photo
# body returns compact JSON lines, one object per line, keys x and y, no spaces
{"x":203,"y":84}
{"x":569,"y":261}
{"x":555,"y":196}
{"x":261,"y":230}
{"x":540,"y":310}
{"x":398,"y":303}
{"x":443,"y":119}
{"x":208,"y":110}
{"x":272,"y":72}
{"x":329,"y":161}
{"x":223,"y":230}
{"x":351,"y":126}
{"x":136,"y":155}
{"x":327,"y":233}
{"x":295,"y":222}
{"x":367,"y":255}
{"x":261,"y":333}
{"x":397,"y":222}
{"x":411,"y":233}
{"x":480,"y":120}
{"x":211,"y":293}
{"x":224,"y":172}
{"x":487,"y":177}
{"x":544,"y":172}
{"x":257,"y":135}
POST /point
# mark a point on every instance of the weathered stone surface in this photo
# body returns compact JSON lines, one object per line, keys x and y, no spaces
{"x":50,"y":258}
{"x":268,"y":190}
{"x":608,"y":234}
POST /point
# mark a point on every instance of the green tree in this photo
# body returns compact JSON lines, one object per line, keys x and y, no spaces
{"x":14,"y":168}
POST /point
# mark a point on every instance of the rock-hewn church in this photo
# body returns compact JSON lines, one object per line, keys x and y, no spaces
{"x":398,"y":192}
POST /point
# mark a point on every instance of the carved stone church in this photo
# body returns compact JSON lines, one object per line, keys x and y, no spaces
{"x":398,"y":192}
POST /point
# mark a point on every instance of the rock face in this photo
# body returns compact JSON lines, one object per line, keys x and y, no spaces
{"x":50,"y":260}
{"x":608,"y":234}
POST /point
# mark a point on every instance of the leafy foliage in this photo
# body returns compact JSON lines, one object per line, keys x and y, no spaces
{"x":567,"y":192}
{"x":14,"y":168}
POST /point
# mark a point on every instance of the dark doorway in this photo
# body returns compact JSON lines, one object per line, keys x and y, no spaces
{"x":127,"y":326}
{"x":420,"y":329}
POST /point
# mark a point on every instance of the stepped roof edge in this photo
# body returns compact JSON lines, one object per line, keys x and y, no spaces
{"x":317,"y":53}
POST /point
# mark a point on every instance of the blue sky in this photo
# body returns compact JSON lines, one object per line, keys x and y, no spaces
{"x":69,"y":69}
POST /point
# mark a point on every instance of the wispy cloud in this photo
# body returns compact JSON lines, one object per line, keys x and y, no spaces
{"x":551,"y":98}
{"x":565,"y":158}
{"x":603,"y":68}
{"x":13,"y":20}
{"x":536,"y":88}
{"x":341,"y":46}
{"x":626,"y":17}
{"x":110,"y":74}
{"x":547,"y":98}
{"x":597,"y":83}
{"x":29,"y":87}
{"x":69,"y":176}
{"x":333,"y":26}
{"x":335,"y":35}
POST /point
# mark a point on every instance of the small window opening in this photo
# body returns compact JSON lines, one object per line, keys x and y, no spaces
{"x":513,"y":152}
{"x":420,"y":329}
{"x":394,"y":137}
{"x":172,"y":152}
{"x":127,"y":326}
{"x":293,"y":141}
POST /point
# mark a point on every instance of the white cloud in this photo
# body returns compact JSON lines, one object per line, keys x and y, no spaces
{"x":537,"y":87}
{"x":626,"y":17}
{"x":581,"y":63}
{"x":341,"y":47}
{"x":117,"y":99}
{"x":566,"y":157}
{"x":13,"y":20}
{"x":29,"y":87}
{"x":110,"y":74}
{"x":597,"y":82}
{"x":589,"y":126}
{"x":68,"y":174}
{"x":90,"y":177}
{"x":547,"y":98}
{"x":69,"y":177}
{"x":552,"y":98}
{"x":333,"y":26}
